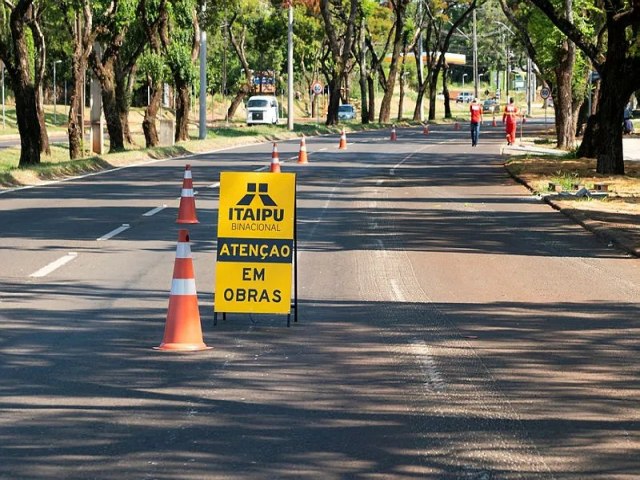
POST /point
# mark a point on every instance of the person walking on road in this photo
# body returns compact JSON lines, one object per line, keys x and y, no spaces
{"x":510,"y":119}
{"x":476,"y":119}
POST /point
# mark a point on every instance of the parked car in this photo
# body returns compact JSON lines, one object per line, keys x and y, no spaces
{"x":464,"y":97}
{"x":346,"y":112}
{"x":262,"y":109}
{"x":490,"y":105}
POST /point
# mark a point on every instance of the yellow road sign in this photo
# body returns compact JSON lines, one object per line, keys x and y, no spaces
{"x":256,"y":220}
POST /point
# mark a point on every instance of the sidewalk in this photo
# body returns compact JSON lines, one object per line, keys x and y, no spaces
{"x":630,"y":149}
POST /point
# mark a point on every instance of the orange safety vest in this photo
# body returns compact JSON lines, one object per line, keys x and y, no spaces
{"x":510,"y":113}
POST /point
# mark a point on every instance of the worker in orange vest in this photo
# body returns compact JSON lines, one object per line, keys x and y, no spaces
{"x":510,"y":119}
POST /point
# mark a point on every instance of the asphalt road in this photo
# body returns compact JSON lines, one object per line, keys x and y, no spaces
{"x":451,"y":326}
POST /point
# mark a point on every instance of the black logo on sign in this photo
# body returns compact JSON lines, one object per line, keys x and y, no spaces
{"x":244,"y":212}
{"x":262,"y":192}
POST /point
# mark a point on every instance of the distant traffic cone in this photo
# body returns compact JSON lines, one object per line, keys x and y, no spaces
{"x":183,"y":331}
{"x":425,"y":129}
{"x":456,"y":126}
{"x":302,"y":154}
{"x":187,"y":209}
{"x":394,"y":135}
{"x":275,"y":159}
{"x":343,"y":141}
{"x":494,"y":123}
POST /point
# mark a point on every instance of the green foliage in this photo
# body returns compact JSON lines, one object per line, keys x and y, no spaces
{"x":182,"y":31}
{"x":153,"y":66}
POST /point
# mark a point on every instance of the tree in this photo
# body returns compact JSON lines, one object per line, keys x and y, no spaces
{"x":154,"y":17}
{"x":40,"y":62}
{"x":379,"y":32}
{"x":339,"y":26}
{"x":438,"y":16}
{"x":112,"y":30}
{"x":400,"y":9}
{"x":238,"y":41}
{"x":15,"y":53}
{"x":308,"y":39}
{"x":619,"y":69}
{"x":182,"y":53}
{"x":560,"y":65}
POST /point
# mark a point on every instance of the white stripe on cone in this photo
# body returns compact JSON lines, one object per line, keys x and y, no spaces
{"x":187,"y":174}
{"x":187,"y":192}
{"x":183,"y":250}
{"x":183,"y":286}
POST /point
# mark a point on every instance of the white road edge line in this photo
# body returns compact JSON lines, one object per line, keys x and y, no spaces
{"x":113,"y":233}
{"x":44,"y":271}
{"x":214,"y":185}
{"x":152,"y":212}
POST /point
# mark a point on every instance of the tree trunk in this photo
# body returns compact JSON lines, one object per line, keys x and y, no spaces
{"x":421,"y":88}
{"x":74,"y":127}
{"x":237,"y":100}
{"x":125,"y":79}
{"x":563,"y":99}
{"x":445,"y":92}
{"x":112,"y":116}
{"x":183,"y":103}
{"x":149,"y":123}
{"x":28,"y":122}
{"x":39,"y":64}
{"x":44,"y":136}
{"x":419,"y":101}
{"x":334,"y":100}
{"x":371,"y":87}
{"x":433,"y":92}
{"x":603,"y":139}
{"x":362,"y":61}
{"x":23,"y":88}
{"x":105,"y":73}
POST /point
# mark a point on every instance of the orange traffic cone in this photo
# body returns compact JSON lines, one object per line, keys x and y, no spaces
{"x":494,"y":123}
{"x":425,"y":129}
{"x":275,"y":159}
{"x":343,"y":141}
{"x":187,"y":209}
{"x":456,"y":126}
{"x":394,"y":135}
{"x":182,"y":331}
{"x":302,"y":154}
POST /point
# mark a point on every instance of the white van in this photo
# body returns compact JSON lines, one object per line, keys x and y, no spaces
{"x":262,"y":109}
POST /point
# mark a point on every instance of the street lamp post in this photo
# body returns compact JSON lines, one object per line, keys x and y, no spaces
{"x":463,"y":75}
{"x":55,"y":93}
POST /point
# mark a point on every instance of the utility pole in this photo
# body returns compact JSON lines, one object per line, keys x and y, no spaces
{"x":203,"y":79}
{"x":475,"y":56}
{"x":290,"y":105}
{"x":55,"y":93}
